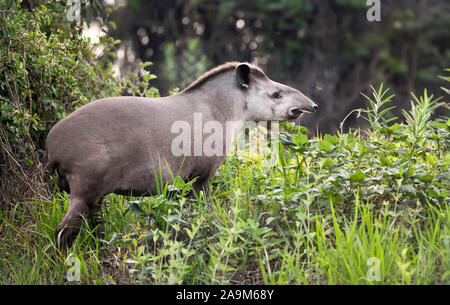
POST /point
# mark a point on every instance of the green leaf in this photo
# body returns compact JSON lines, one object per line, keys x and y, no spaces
{"x":446,"y":159}
{"x":385,"y":129}
{"x":362,"y":148}
{"x":408,"y":190}
{"x":432,"y":159}
{"x":136,"y":208}
{"x":324,"y":146}
{"x":395,"y":127}
{"x":334,"y":140}
{"x":113,"y":25}
{"x":433,"y":192}
{"x":300,"y":139}
{"x":385,"y":162}
{"x":335,"y":197}
{"x":409,"y":172}
{"x":284,"y":140}
{"x":427,"y":178}
{"x":301,"y":129}
{"x":327,"y":162}
{"x":357,"y":177}
{"x":440,"y":125}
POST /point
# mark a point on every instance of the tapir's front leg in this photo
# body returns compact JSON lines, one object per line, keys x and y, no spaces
{"x":199,"y":186}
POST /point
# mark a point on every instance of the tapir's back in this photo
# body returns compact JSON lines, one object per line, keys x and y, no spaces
{"x":113,"y":118}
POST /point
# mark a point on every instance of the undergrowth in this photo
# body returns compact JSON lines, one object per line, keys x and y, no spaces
{"x":363,"y":207}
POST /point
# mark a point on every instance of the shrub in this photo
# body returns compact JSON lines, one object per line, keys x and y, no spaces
{"x":47,"y":69}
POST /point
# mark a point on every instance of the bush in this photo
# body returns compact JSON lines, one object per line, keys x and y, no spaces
{"x":405,"y":164}
{"x":47,"y":69}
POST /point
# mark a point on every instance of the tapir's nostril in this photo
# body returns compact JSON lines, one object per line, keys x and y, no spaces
{"x":315,"y":107}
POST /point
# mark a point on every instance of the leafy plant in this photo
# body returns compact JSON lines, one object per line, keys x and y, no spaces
{"x":139,"y":84}
{"x":418,"y":119}
{"x":315,"y":210}
{"x":375,"y":114}
{"x":47,"y":69}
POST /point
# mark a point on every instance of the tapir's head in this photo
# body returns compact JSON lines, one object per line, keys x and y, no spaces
{"x":267,"y":100}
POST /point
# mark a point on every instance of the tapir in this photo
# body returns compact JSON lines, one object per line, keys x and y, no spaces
{"x":124,"y":144}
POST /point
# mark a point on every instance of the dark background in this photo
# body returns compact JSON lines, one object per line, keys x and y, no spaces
{"x":326,"y":49}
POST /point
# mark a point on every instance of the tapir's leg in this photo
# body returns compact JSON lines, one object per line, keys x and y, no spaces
{"x":199,"y":185}
{"x":202,"y":182}
{"x":69,"y":227}
{"x":95,"y":219}
{"x":83,"y":197}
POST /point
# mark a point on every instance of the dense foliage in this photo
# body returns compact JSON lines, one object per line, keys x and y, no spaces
{"x":327,"y":49}
{"x":47,"y":69}
{"x":323,"y":209}
{"x":328,"y":211}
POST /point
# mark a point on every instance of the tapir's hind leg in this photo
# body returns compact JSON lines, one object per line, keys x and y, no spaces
{"x":81,"y":203}
{"x":68,"y":229}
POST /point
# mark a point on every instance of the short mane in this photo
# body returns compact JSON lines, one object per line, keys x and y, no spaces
{"x":219,"y":70}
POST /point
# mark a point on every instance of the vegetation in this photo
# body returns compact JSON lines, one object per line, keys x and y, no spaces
{"x":327,"y":49}
{"x":324,"y":213}
{"x":360,"y":207}
{"x":47,"y":70}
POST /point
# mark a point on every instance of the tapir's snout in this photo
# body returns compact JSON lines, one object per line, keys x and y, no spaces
{"x":306,"y":106}
{"x":309,"y":106}
{"x":304,"y":103}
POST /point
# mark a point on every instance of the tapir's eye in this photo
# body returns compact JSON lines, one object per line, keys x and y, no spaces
{"x":276,"y":95}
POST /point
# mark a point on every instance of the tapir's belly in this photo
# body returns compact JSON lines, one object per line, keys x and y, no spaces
{"x":141,"y":179}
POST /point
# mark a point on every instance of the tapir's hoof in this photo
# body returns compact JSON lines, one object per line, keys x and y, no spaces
{"x":65,"y":236}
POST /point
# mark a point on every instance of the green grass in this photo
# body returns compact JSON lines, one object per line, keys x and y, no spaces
{"x":358,"y":208}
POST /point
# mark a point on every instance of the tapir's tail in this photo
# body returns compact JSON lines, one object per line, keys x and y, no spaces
{"x":51,"y":167}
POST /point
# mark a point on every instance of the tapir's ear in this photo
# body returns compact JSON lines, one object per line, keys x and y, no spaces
{"x":243,"y":75}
